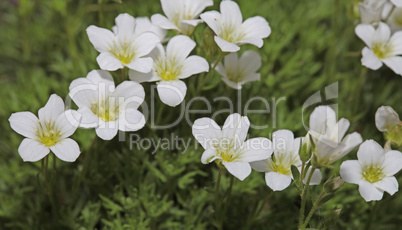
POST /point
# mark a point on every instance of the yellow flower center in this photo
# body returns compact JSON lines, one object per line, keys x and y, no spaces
{"x":373,"y":173}
{"x":48,"y":134}
{"x":123,"y":51}
{"x":105,"y":111}
{"x":282,"y":162}
{"x":381,"y":50}
{"x":231,"y":33}
{"x":167,"y":69}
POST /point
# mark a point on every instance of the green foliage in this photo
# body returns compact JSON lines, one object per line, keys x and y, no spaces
{"x":44,"y":47}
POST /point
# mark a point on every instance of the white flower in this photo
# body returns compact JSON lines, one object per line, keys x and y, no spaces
{"x":395,"y":20}
{"x":237,"y":72}
{"x":106,"y":108}
{"x":230,"y":29}
{"x":181,"y":15}
{"x":397,"y":3}
{"x":278,"y":174}
{"x":124,"y":47}
{"x":228,"y":145}
{"x":142,"y":25}
{"x":328,"y":136}
{"x":381,"y":47}
{"x":170,"y":67}
{"x":371,"y":11}
{"x":386,"y":119}
{"x":373,"y":171}
{"x":49,"y":132}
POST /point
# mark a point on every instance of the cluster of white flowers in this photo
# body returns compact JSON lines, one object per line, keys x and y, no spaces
{"x":373,"y":171}
{"x":137,"y":44}
{"x":381,"y":31}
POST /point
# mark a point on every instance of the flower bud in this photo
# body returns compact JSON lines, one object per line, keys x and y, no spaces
{"x":305,"y":148}
{"x":333,"y":184}
{"x":371,"y":10}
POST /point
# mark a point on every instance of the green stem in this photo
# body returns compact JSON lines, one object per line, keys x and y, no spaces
{"x":313,"y":209}
{"x":100,"y":12}
{"x":371,"y":216}
{"x":218,"y":182}
{"x":122,"y":75}
{"x":54,"y":162}
{"x":230,"y":187}
{"x":46,"y":165}
{"x":304,"y":198}
{"x":302,"y":175}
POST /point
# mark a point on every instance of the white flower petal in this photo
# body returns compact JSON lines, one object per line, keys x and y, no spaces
{"x":231,"y":13}
{"x":397,"y":3}
{"x":366,"y":33}
{"x":98,"y":77}
{"x":143,"y":65}
{"x":53,"y":108}
{"x":386,"y":118}
{"x":261,"y":166}
{"x":31,"y":150}
{"x":172,"y":93}
{"x":235,"y":129}
{"x":256,"y":149}
{"x":67,"y":122}
{"x":107,"y":130}
{"x":179,"y":47}
{"x":321,"y":118}
{"x":370,"y":60}
{"x":107,"y":61}
{"x":212,"y":18}
{"x":250,"y":61}
{"x":131,"y":120}
{"x":348,"y":144}
{"x":232,"y":84}
{"x":251,"y":40}
{"x":88,"y":118}
{"x":145,"y":43}
{"x":283,"y":141}
{"x":277,"y":181}
{"x":193,"y":65}
{"x":316,"y":178}
{"x":83,"y":92}
{"x":163,"y":22}
{"x":102,"y":39}
{"x":143,"y":24}
{"x":143,"y":77}
{"x":66,"y":150}
{"x":256,"y":27}
{"x":351,"y":171}
{"x":369,"y":192}
{"x":382,"y":34}
{"x":370,"y":153}
{"x":171,"y":7}
{"x":241,"y":170}
{"x":396,"y":41}
{"x":125,"y":25}
{"x":231,"y":62}
{"x":208,"y":156}
{"x":388,"y":184}
{"x":24,"y":123}
{"x":394,"y":63}
{"x":206,"y":132}
{"x":226,"y":46}
{"x":129,"y":94}
{"x":392,"y":163}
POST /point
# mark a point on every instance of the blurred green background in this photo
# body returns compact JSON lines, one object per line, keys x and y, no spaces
{"x":44,"y":47}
